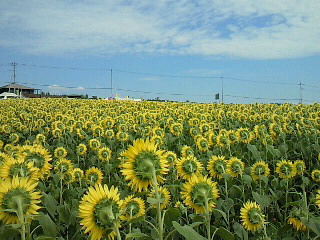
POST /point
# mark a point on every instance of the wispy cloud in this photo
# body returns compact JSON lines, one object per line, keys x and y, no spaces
{"x":246,"y":29}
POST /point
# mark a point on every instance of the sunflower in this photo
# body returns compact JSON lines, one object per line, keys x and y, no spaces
{"x":39,"y":156}
{"x":104,"y":154}
{"x":14,"y":138}
{"x":194,"y":131}
{"x":297,"y":224}
{"x":259,"y":169}
{"x":171,"y":157}
{"x":81,"y":149}
{"x":122,"y":136}
{"x":251,"y":216}
{"x":60,"y":152}
{"x":40,"y":138}
{"x":244,"y":135}
{"x":300,"y":166}
{"x":63,"y":165}
{"x":202,"y":144}
{"x":108,"y":122}
{"x":176,"y":129}
{"x":109,"y":134}
{"x":197,"y":191}
{"x":1,"y":144}
{"x":18,"y":194}
{"x":217,"y":166}
{"x":232,"y":137}
{"x":78,"y":174}
{"x":315,"y":174}
{"x":285,"y":169}
{"x":99,"y":211}
{"x":188,"y":167}
{"x":157,"y":140}
{"x":57,"y":133}
{"x":94,"y":144}
{"x":18,"y":167}
{"x":133,"y":207}
{"x":3,"y":158}
{"x":141,"y":162}
{"x":267,"y":140}
{"x":97,"y":131}
{"x":187,"y":151}
{"x":164,"y":194}
{"x":222,"y":140}
{"x":68,"y":177}
{"x":235,"y":167}
{"x":94,"y":176}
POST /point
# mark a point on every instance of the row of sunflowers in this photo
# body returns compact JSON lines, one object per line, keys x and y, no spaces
{"x":94,"y":169}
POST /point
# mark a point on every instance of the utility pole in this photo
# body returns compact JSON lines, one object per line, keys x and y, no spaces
{"x":221,"y":88}
{"x":111,"y":82}
{"x":14,"y":64}
{"x":300,"y":101}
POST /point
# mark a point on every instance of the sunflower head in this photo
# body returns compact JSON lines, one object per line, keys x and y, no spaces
{"x":104,"y":154}
{"x":78,"y":174}
{"x":315,"y":174}
{"x":217,"y":166}
{"x":60,"y":152}
{"x":187,"y":151}
{"x":133,"y":207}
{"x":141,"y":162}
{"x":94,"y":176}
{"x":202,"y":144}
{"x":259,"y":169}
{"x":122,"y":136}
{"x":251,"y":216}
{"x":18,"y":194}
{"x":171,"y":157}
{"x":198,"y":192}
{"x":235,"y":167}
{"x":285,"y":169}
{"x":176,"y":129}
{"x":94,"y":144}
{"x":295,"y":221}
{"x":109,"y":134}
{"x":188,"y":167}
{"x":99,"y":211}
{"x":63,"y":165}
{"x":81,"y":149}
{"x":300,"y":166}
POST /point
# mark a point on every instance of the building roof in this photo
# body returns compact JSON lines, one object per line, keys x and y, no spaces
{"x":17,"y":86}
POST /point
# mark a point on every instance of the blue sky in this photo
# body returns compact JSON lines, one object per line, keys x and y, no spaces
{"x":176,"y":50}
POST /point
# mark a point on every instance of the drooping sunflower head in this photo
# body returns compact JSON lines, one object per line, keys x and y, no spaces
{"x":222,"y":140}
{"x":188,"y":167}
{"x":202,"y":144}
{"x":251,"y":216}
{"x":97,"y":131}
{"x":232,"y":136}
{"x":217,"y":166}
{"x":164,"y":194}
{"x":133,"y":207}
{"x":109,"y":134}
{"x":94,"y":144}
{"x":244,"y":135}
{"x":18,"y":194}
{"x":39,"y":156}
{"x":18,"y":167}
{"x":122,"y":136}
{"x":63,"y":165}
{"x":285,"y":169}
{"x":141,"y":162}
{"x":171,"y":157}
{"x":78,"y":174}
{"x":300,"y":166}
{"x":94,"y":176}
{"x":315,"y":174}
{"x":60,"y":152}
{"x":104,"y":154}
{"x":235,"y":167}
{"x":40,"y":138}
{"x":14,"y":138}
{"x":267,"y":140}
{"x":259,"y":169}
{"x":157,"y":140}
{"x":199,"y":192}
{"x":68,"y":177}
{"x":295,"y":219}
{"x":99,"y":211}
{"x":81,"y":149}
{"x":176,"y":129}
{"x":187,"y":151}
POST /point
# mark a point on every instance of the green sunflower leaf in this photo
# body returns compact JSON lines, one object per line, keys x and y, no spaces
{"x":188,"y":232}
{"x":48,"y":226}
{"x":172,"y":214}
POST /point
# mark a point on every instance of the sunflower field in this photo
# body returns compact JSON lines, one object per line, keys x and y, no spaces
{"x":95,"y":169}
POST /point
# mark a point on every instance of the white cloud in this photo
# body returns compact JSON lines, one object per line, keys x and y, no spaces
{"x":249,"y":29}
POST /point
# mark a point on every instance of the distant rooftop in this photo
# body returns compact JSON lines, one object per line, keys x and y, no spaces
{"x":17,"y":86}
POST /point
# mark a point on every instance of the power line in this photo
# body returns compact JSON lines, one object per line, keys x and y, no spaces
{"x":156,"y":74}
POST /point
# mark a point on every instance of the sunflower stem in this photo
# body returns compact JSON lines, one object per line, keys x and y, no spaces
{"x":208,"y":217}
{"x":21,"y":218}
{"x":158,"y":197}
{"x":115,"y":223}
